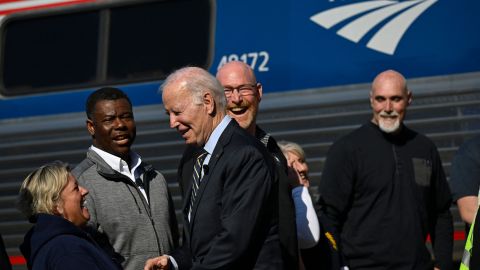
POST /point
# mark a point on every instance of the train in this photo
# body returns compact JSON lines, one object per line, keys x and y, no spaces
{"x":315,"y":59}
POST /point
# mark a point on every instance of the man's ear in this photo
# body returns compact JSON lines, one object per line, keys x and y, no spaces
{"x":90,"y":127}
{"x":209,"y":102}
{"x":409,"y":97}
{"x":260,"y":91}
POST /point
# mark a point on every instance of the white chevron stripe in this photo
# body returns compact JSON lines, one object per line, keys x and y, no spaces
{"x":355,"y":30}
{"x":333,"y":16}
{"x":388,"y":37}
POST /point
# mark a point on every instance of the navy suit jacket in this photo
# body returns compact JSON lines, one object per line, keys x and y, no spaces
{"x":234,"y":221}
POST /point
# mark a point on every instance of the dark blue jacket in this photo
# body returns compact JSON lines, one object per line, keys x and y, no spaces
{"x":4,"y":261}
{"x":55,"y":243}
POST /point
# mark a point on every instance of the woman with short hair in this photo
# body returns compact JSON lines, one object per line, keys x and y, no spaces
{"x":51,"y":198}
{"x":296,"y":161}
{"x":308,"y":227}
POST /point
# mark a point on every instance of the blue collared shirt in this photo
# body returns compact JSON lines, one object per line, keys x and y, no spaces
{"x":213,"y":140}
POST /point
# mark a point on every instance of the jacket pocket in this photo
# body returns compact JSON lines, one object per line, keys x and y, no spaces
{"x":423,"y":171}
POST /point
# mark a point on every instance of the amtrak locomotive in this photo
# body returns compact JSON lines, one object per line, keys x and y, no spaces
{"x":315,"y":59}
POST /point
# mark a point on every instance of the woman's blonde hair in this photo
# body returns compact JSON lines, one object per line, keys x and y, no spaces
{"x":287,"y":146}
{"x":40,"y":191}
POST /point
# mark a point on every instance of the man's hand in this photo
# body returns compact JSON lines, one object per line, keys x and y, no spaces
{"x":158,"y":263}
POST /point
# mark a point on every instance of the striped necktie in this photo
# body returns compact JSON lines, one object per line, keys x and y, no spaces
{"x":197,"y":176}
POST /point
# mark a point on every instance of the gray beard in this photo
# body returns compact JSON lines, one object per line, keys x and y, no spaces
{"x":389,"y":128}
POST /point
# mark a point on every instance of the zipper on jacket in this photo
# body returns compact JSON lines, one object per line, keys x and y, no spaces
{"x":149,"y":211}
{"x":395,"y":157}
{"x":135,"y":199}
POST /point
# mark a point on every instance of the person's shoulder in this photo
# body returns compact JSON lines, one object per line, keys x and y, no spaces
{"x":65,"y":244}
{"x":243,"y":144}
{"x":472,"y":144}
{"x":68,"y":239}
{"x":247,"y":144}
{"x":420,"y":138}
{"x":148,"y":167}
{"x":358,"y":133}
{"x":240,"y":137}
{"x":153,"y":174}
{"x":67,"y":249}
{"x":82,"y":167}
{"x":352,"y":139}
{"x":90,"y":173}
{"x":468,"y":152}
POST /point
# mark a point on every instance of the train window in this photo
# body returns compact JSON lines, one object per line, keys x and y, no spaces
{"x":151,"y":40}
{"x":113,"y":43}
{"x":49,"y":52}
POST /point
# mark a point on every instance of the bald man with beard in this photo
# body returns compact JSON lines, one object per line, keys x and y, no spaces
{"x":384,"y":190}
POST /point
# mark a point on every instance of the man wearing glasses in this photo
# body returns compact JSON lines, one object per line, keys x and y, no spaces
{"x":244,"y":94}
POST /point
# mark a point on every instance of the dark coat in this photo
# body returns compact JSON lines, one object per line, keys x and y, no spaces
{"x":383,"y":194}
{"x":287,"y":228}
{"x":234,"y":221}
{"x":4,"y":260}
{"x":55,"y":243}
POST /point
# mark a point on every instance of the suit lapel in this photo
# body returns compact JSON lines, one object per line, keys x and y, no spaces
{"x":186,"y":178}
{"x":216,"y":155}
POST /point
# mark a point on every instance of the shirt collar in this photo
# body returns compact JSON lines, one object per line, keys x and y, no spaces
{"x":217,"y":132}
{"x":116,"y":163}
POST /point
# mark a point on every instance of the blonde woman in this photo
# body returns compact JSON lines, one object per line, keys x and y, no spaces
{"x":51,"y":198}
{"x":308,"y":228}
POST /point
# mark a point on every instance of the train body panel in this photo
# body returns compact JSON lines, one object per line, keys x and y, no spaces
{"x":292,"y":45}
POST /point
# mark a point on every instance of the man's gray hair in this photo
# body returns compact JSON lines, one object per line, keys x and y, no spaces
{"x":198,"y":81}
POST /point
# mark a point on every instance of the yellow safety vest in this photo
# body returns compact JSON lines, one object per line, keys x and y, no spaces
{"x":465,"y":264}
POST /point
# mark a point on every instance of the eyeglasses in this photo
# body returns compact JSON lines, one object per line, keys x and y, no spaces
{"x":243,"y":90}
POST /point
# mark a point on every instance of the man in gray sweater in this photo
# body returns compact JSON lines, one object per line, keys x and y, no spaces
{"x":131,"y":212}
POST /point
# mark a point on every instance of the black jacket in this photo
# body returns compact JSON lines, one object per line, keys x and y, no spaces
{"x":384,"y":194}
{"x":234,"y":223}
{"x":287,"y":228}
{"x":4,"y":260}
{"x":55,"y":243}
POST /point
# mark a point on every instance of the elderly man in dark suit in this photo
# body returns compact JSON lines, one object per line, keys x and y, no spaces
{"x":230,"y":184}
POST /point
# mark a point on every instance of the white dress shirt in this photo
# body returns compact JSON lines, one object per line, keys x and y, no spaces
{"x":121,"y":166}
